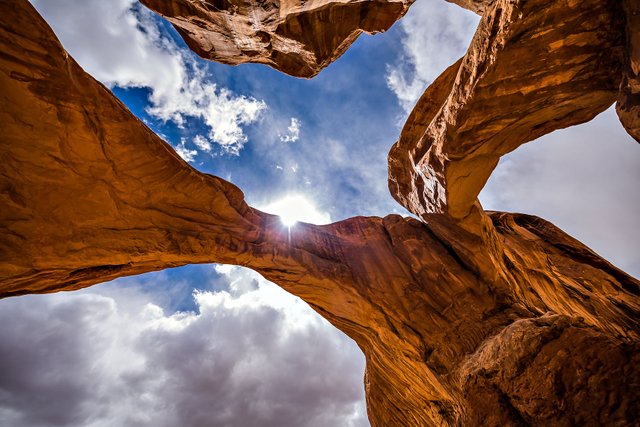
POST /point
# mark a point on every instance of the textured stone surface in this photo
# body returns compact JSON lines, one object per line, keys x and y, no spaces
{"x":477,"y":6}
{"x":500,"y":319}
{"x":532,"y":67}
{"x":296,"y":37}
{"x":628,"y":105}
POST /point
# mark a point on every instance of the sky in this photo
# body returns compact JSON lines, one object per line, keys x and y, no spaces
{"x":218,"y":345}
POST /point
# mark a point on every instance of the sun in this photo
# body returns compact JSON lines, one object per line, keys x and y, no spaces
{"x":295,"y":208}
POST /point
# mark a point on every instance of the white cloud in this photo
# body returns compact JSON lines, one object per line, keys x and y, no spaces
{"x":184,"y":152}
{"x":248,"y":288}
{"x":253,"y":356}
{"x":202,"y":143}
{"x":119,"y":43}
{"x":293,"y":131}
{"x":437,"y":34}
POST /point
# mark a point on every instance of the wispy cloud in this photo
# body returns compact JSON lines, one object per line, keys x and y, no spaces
{"x":202,"y":143}
{"x":187,"y":154}
{"x":121,"y":44}
{"x":293,"y":131}
{"x":436,"y":34}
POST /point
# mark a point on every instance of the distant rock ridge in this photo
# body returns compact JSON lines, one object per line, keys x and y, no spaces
{"x":465,"y":317}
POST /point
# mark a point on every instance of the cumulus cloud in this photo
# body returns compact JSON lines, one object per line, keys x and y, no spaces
{"x":252,"y":355}
{"x":121,"y":44}
{"x":293,"y":131}
{"x":436,"y":34}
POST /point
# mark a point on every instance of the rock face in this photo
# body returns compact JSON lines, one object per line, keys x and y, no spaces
{"x":465,"y":318}
{"x":477,"y":6}
{"x":297,"y":37}
{"x":628,"y":105}
{"x":532,"y":67}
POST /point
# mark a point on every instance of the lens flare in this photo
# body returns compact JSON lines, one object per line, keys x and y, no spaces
{"x":296,"y":208}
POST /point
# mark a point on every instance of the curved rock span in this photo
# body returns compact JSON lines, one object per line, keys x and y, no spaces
{"x":532,"y":67}
{"x":465,"y":317}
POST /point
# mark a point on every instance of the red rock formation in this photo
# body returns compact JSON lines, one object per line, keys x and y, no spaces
{"x":496,"y":319}
{"x":477,"y":6}
{"x":532,"y":67}
{"x":628,"y":105}
{"x":296,"y":37}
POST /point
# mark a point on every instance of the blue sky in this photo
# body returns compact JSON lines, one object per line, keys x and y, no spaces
{"x":146,"y":350}
{"x":339,"y":153}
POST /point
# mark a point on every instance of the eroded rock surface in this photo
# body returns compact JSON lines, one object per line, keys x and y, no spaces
{"x":296,"y":37}
{"x":532,"y":67}
{"x":628,"y":105}
{"x":497,"y":319}
{"x":477,"y":6}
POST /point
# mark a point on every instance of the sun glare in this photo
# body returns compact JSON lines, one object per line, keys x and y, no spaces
{"x":294,"y":208}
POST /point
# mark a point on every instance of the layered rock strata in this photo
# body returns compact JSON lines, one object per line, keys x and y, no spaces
{"x":487,"y":319}
{"x":296,"y":37}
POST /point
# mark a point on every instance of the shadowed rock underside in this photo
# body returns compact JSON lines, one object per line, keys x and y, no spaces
{"x":628,"y":105}
{"x":465,"y":317}
{"x":297,"y":37}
